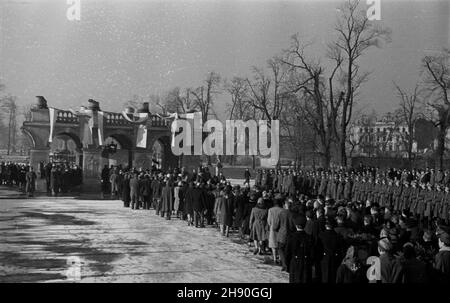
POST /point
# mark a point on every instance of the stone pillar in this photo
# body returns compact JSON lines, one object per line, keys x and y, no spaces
{"x":142,"y":158}
{"x":37,"y":156}
{"x":92,"y":168}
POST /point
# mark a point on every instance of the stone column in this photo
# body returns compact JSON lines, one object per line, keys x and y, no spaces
{"x":92,"y":168}
{"x":37,"y":156}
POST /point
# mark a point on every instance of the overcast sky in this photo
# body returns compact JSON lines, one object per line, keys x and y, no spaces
{"x":122,"y":48}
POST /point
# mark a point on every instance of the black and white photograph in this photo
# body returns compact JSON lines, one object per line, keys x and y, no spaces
{"x":244,"y":142}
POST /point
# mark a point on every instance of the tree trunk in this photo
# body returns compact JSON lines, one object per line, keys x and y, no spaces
{"x":441,"y":145}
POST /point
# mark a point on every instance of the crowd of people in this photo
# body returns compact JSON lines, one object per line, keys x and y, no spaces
{"x":20,"y":175}
{"x":60,"y":177}
{"x":336,"y":226}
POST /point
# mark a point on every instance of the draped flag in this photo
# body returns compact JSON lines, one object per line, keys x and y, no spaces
{"x":100,"y":115}
{"x":53,"y":115}
{"x":142,"y":117}
{"x":141,"y":138}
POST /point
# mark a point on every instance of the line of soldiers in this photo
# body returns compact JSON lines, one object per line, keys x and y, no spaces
{"x":61,"y":178}
{"x":423,"y":193}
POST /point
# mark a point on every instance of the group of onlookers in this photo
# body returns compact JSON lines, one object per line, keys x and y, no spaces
{"x":307,"y":227}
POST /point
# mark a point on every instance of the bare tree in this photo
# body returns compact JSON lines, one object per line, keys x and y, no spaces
{"x":269,"y":91}
{"x":436,"y":76}
{"x":409,"y":112}
{"x":355,"y":34}
{"x":203,"y":96}
{"x":240,"y":107}
{"x":316,"y":96}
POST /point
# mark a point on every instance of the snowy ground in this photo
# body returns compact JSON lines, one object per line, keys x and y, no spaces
{"x":117,"y":244}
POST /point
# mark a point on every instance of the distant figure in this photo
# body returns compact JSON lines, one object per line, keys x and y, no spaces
{"x":247,"y":176}
{"x":31,"y":181}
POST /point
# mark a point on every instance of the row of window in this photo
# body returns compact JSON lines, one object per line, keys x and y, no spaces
{"x":371,"y":129}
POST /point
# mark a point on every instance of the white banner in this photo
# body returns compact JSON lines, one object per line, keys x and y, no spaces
{"x":53,"y":115}
{"x":141,"y":138}
{"x":100,"y":127}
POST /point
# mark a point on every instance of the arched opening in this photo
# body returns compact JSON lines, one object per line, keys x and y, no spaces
{"x":162,"y":155}
{"x":121,"y":155}
{"x":65,"y":148}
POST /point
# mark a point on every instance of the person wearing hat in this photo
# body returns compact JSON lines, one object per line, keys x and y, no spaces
{"x":284,"y":228}
{"x":299,"y":253}
{"x":415,"y":270}
{"x":189,"y":203}
{"x":350,"y":270}
{"x":391,"y":269}
{"x":258,"y":226}
{"x":442,"y":259}
{"x":273,"y":221}
{"x":348,"y":189}
{"x":199,"y":204}
{"x":166,"y":199}
{"x":156,"y":194}
{"x":226,"y":203}
{"x":333,"y":247}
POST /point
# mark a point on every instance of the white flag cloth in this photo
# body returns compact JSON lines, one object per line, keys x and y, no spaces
{"x":141,"y":138}
{"x":100,"y":115}
{"x":53,"y":115}
{"x":142,"y":117}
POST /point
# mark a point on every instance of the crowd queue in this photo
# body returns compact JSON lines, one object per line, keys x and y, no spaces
{"x":60,"y":177}
{"x":334,"y":226}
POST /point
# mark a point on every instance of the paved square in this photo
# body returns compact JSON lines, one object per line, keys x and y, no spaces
{"x":117,"y":244}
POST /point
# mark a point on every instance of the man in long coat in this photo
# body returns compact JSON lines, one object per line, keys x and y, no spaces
{"x":332,"y":253}
{"x":134,"y":192}
{"x":299,"y":254}
{"x":199,"y":205}
{"x":226,"y":206}
{"x":273,"y":219}
{"x":166,"y":199}
{"x":30,"y":182}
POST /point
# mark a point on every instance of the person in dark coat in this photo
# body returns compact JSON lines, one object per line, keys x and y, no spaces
{"x":442,"y":259}
{"x":391,"y":269}
{"x":239,"y":206}
{"x":351,"y":270}
{"x":134,"y":191}
{"x":189,"y":203}
{"x":226,"y":205}
{"x":156,"y":193}
{"x":199,"y":205}
{"x":145,"y":191}
{"x":299,"y":253}
{"x":54,"y":180}
{"x":30,"y":182}
{"x":283,"y":231}
{"x":415,"y":270}
{"x":126,"y":190}
{"x":166,"y":199}
{"x":247,"y":176}
{"x":258,"y":225}
{"x":332,"y":252}
{"x":105,"y":180}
